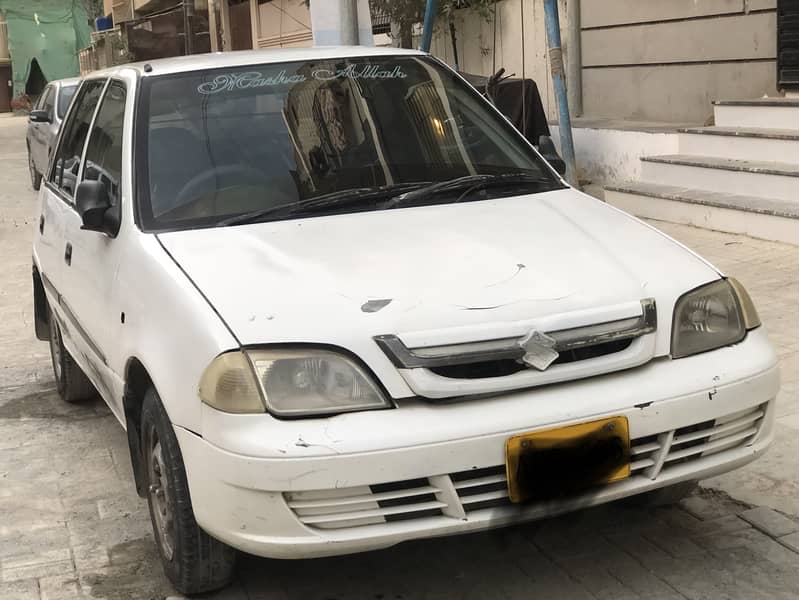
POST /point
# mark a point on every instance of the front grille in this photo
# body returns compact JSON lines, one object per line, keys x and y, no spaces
{"x":365,"y":505}
{"x":481,"y":488}
{"x":411,"y":506}
{"x":714,"y":437}
{"x":503,"y":368}
{"x":457,"y":495}
{"x":467,"y":364}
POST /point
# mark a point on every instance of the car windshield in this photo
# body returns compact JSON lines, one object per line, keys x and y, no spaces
{"x":64,"y":98}
{"x":227,"y":142}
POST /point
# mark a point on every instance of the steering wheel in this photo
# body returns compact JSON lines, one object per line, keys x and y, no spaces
{"x":222,"y":177}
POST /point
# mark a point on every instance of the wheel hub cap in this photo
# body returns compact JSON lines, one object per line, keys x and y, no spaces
{"x":160,"y":502}
{"x":55,"y":348}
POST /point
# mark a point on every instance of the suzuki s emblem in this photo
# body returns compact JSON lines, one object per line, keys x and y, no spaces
{"x":539,"y":350}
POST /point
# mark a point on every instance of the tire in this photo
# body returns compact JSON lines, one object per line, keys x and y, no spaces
{"x":36,"y":177}
{"x":71,"y":382}
{"x":193,"y":561}
{"x":665,"y":496}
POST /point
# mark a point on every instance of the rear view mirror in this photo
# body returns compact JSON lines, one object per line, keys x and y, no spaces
{"x":547,"y":149}
{"x":40,"y":116}
{"x":93,"y":204}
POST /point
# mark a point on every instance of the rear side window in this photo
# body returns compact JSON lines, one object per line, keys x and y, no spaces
{"x":64,"y":98}
{"x":73,"y":138}
{"x":104,"y":151}
{"x":49,"y":101}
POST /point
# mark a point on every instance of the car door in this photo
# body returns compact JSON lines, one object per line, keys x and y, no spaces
{"x":58,"y":205}
{"x":91,"y":272}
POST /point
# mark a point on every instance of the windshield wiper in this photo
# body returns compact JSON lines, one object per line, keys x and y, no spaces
{"x":471,"y":183}
{"x":337,"y":198}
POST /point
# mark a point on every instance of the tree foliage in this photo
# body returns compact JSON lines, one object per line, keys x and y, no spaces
{"x":406,"y":13}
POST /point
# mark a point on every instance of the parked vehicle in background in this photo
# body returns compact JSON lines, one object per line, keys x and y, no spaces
{"x":338,"y":302}
{"x":44,"y":123}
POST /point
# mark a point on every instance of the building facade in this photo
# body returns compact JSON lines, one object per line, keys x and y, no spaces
{"x":640,"y":60}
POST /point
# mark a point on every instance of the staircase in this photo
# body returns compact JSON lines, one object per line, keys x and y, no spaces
{"x":740,"y":176}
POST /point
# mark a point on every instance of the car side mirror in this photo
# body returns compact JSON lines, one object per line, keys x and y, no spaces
{"x":40,"y":116}
{"x":547,"y":149}
{"x":94,"y":207}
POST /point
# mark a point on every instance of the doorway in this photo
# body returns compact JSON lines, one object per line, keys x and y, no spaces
{"x":5,"y":88}
{"x":240,"y":25}
{"x":788,"y":45}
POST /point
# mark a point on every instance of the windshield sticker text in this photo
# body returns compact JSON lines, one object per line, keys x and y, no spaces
{"x":229,"y":82}
{"x":242,"y":81}
{"x":360,"y":72}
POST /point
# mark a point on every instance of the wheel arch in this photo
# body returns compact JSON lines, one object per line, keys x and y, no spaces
{"x":137,"y":382}
{"x":41,"y":315}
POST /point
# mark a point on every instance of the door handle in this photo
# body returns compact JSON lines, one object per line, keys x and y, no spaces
{"x":41,"y":224}
{"x":68,"y":253}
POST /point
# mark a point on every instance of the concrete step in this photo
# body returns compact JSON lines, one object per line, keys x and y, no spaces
{"x":758,"y":179}
{"x":756,"y":217}
{"x":769,"y":113}
{"x":740,"y":143}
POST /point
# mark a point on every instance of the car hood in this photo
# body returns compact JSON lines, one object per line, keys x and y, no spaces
{"x":341,"y":278}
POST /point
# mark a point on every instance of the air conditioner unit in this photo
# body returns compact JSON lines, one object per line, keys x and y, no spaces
{"x":122,"y":10}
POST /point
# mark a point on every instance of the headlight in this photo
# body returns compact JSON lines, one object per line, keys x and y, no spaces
{"x":306,"y":382}
{"x":289,"y":383}
{"x":712,"y":316}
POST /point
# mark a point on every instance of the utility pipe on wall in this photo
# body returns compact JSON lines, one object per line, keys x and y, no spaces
{"x":559,"y":83}
{"x":574,"y":62}
{"x":349,"y":22}
{"x":429,"y":22}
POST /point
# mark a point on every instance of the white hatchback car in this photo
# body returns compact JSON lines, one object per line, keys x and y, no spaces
{"x":338,"y":302}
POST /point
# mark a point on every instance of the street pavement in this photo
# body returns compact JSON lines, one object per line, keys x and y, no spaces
{"x":71,"y":525}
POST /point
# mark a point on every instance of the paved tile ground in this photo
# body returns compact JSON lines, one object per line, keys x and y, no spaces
{"x":71,"y":525}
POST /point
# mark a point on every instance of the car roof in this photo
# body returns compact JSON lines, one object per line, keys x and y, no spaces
{"x":65,"y":82}
{"x":213,"y":60}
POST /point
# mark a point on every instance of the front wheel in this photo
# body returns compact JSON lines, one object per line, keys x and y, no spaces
{"x":193,"y":561}
{"x":36,"y":177}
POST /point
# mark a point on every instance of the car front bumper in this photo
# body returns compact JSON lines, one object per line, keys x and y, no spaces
{"x":321,"y":487}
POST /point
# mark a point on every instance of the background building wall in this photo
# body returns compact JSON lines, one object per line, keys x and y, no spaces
{"x":667,"y":60}
{"x":643,"y":60}
{"x":283,"y":24}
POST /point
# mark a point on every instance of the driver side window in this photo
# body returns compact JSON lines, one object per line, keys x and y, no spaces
{"x":104,"y":152}
{"x":73,"y":138}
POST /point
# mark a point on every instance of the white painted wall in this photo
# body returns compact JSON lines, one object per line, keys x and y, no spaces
{"x":475,"y":43}
{"x":606,"y":156}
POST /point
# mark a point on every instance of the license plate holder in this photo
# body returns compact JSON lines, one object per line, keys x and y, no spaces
{"x":562,"y":461}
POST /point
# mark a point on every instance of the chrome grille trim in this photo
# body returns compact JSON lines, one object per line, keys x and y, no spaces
{"x":473,"y":352}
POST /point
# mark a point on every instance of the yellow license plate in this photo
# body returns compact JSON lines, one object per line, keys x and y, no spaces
{"x":549,"y":464}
